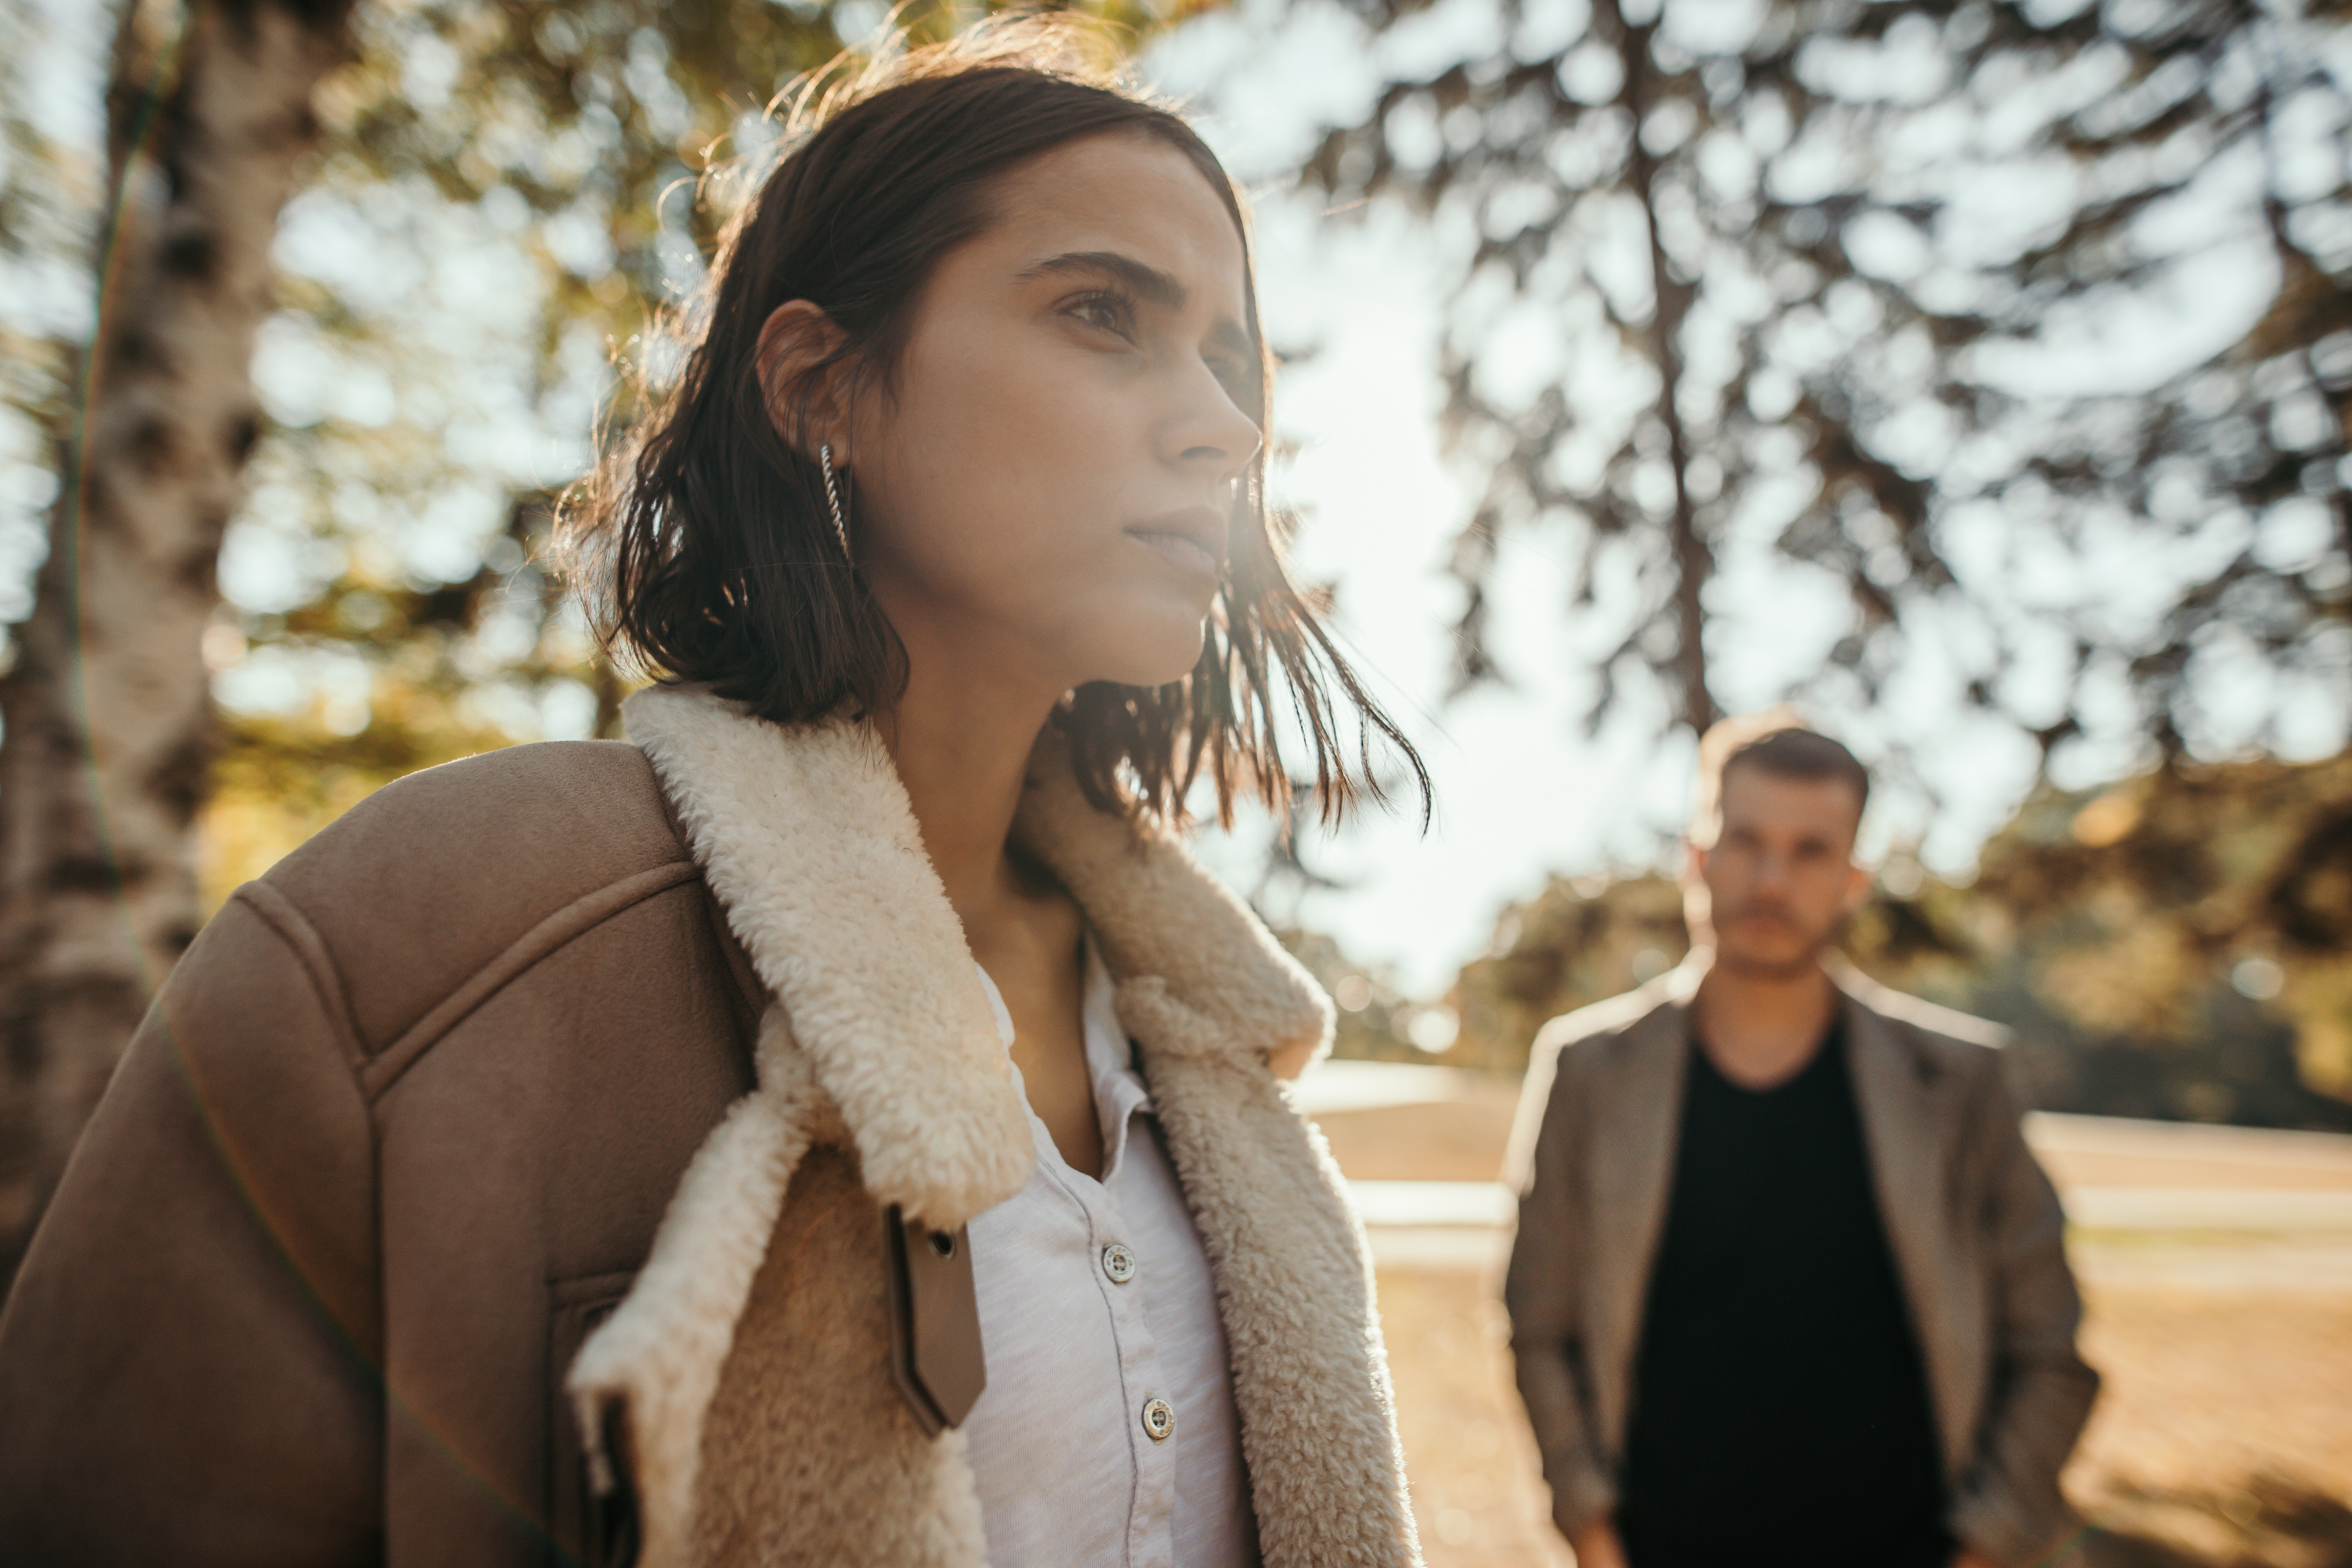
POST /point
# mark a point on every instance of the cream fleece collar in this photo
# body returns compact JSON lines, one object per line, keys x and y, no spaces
{"x":806,"y":837}
{"x":880,"y":1034}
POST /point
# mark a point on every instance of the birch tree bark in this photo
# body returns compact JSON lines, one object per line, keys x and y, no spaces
{"x":108,"y":716}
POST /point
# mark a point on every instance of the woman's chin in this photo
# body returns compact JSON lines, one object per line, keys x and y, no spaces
{"x":1151,"y":650}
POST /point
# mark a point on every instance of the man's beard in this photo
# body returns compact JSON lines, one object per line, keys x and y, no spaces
{"x":1816,"y":943}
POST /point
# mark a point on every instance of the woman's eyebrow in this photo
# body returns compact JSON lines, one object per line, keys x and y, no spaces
{"x":1146,"y":281}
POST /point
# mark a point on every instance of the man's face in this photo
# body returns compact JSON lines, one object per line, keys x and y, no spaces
{"x":1779,"y":878}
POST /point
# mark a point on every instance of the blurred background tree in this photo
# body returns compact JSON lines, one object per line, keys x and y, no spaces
{"x":106,"y":710}
{"x":1952,"y":307}
{"x":506,"y":196}
{"x":2020,"y":329}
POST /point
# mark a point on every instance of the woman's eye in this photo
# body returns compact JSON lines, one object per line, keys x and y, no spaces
{"x":1107,"y":311}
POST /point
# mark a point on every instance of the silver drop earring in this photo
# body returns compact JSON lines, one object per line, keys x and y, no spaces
{"x":833,"y":498}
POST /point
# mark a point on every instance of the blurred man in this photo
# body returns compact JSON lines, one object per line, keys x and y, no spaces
{"x":1787,"y":1287}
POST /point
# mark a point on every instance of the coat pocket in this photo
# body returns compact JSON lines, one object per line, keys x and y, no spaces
{"x":585,"y":1531}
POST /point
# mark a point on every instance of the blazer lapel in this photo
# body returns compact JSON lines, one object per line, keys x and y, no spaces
{"x":1905,"y":1129}
{"x":1631,"y":1178}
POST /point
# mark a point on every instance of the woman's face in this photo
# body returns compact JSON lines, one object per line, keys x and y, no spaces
{"x":1045,"y":491}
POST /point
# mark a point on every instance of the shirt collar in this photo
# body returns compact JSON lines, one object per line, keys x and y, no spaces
{"x":1119,"y":1091}
{"x":1118,"y":1088}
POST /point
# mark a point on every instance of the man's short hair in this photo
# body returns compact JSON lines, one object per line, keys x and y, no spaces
{"x":1775,"y":741}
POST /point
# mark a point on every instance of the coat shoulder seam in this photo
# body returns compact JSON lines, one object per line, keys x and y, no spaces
{"x":293,"y":928}
{"x":551,"y":933}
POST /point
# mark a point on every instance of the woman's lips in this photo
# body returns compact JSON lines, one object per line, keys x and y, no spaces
{"x":1181,"y":550}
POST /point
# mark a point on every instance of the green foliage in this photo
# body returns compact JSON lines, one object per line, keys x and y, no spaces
{"x":402,"y":676}
{"x":2180,"y":910}
{"x":1373,"y":1013}
{"x":1580,"y":941}
{"x":505,"y":196}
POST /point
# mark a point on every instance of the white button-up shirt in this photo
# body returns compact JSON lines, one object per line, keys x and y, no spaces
{"x":1106,"y":1434}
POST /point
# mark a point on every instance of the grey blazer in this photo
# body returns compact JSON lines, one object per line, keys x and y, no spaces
{"x":1973,"y":1223}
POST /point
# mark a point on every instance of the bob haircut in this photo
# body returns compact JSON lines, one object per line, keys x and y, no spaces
{"x":704,"y":546}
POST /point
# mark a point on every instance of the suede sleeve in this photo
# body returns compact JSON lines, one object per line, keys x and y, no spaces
{"x":1542,"y":1296}
{"x":2008,"y":1506}
{"x":187,"y":1358}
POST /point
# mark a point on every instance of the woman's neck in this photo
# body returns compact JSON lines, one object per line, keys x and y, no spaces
{"x":962,"y":742}
{"x":961,"y":747}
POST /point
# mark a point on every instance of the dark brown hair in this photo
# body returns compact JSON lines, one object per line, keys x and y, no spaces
{"x":705,"y":547}
{"x":1775,"y":741}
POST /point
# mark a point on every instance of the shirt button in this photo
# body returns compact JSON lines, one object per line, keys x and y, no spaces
{"x":1119,"y":1263}
{"x":1159,"y":1419}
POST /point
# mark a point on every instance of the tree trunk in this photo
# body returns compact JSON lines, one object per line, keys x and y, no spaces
{"x":107,"y":711}
{"x":1670,"y":299}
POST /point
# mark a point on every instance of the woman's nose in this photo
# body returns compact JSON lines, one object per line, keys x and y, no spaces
{"x":1211,"y":431}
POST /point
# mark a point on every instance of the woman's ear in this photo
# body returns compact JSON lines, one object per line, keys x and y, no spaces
{"x":806,"y":397}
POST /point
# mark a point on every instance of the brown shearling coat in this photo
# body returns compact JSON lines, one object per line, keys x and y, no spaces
{"x":1973,"y":1223}
{"x":530,"y":1128}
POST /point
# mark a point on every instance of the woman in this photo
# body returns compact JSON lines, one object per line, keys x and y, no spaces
{"x":842,"y":1126}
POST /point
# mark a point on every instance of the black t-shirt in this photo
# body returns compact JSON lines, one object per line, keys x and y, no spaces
{"x":1781,"y":1410}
